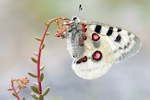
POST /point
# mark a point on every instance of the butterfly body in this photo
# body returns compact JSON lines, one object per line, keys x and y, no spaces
{"x":75,"y":41}
{"x":95,"y":47}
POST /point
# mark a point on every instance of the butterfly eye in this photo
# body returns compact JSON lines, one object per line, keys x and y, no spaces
{"x":75,"y":18}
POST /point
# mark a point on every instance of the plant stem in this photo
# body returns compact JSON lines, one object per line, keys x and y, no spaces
{"x":39,"y":56}
{"x":15,"y":91}
{"x":39,"y":53}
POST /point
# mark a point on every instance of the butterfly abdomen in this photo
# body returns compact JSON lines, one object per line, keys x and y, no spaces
{"x":75,"y":42}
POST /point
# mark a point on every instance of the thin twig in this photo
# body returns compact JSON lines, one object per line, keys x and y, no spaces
{"x":15,"y":91}
{"x":39,"y":53}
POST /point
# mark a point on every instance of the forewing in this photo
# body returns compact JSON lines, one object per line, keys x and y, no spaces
{"x":123,"y":43}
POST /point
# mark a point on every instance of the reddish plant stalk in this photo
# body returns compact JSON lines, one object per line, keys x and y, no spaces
{"x":15,"y":91}
{"x":39,"y":56}
{"x":39,"y":53}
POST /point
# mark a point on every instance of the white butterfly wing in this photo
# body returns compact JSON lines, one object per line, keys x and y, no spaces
{"x":124,"y":44}
{"x":103,"y":46}
{"x":92,"y":68}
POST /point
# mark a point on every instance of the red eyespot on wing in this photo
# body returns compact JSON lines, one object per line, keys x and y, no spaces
{"x":84,"y":59}
{"x":97,"y":55}
{"x":79,"y":61}
{"x":84,"y":29}
{"x":95,"y":37}
{"x":83,"y":25}
{"x":84,"y":37}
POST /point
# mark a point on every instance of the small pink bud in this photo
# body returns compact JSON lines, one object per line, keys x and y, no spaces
{"x":57,"y":35}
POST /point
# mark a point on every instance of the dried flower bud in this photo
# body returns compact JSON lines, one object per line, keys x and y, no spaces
{"x":57,"y":35}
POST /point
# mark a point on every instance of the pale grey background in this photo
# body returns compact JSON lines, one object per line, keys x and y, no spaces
{"x":22,"y":20}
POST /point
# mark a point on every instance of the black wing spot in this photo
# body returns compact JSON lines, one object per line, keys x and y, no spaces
{"x":118,"y":38}
{"x":110,"y":31}
{"x":119,"y":29}
{"x":98,"y":28}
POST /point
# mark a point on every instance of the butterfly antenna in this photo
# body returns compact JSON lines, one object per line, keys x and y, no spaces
{"x":80,"y":8}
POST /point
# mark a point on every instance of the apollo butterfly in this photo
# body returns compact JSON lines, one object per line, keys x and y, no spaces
{"x":95,"y":47}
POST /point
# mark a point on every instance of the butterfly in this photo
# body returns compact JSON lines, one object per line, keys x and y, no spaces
{"x":95,"y":46}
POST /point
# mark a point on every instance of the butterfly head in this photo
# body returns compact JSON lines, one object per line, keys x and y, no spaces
{"x":75,"y":19}
{"x":66,"y":25}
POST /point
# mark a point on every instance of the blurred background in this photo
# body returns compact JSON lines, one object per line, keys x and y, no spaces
{"x":22,"y":20}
